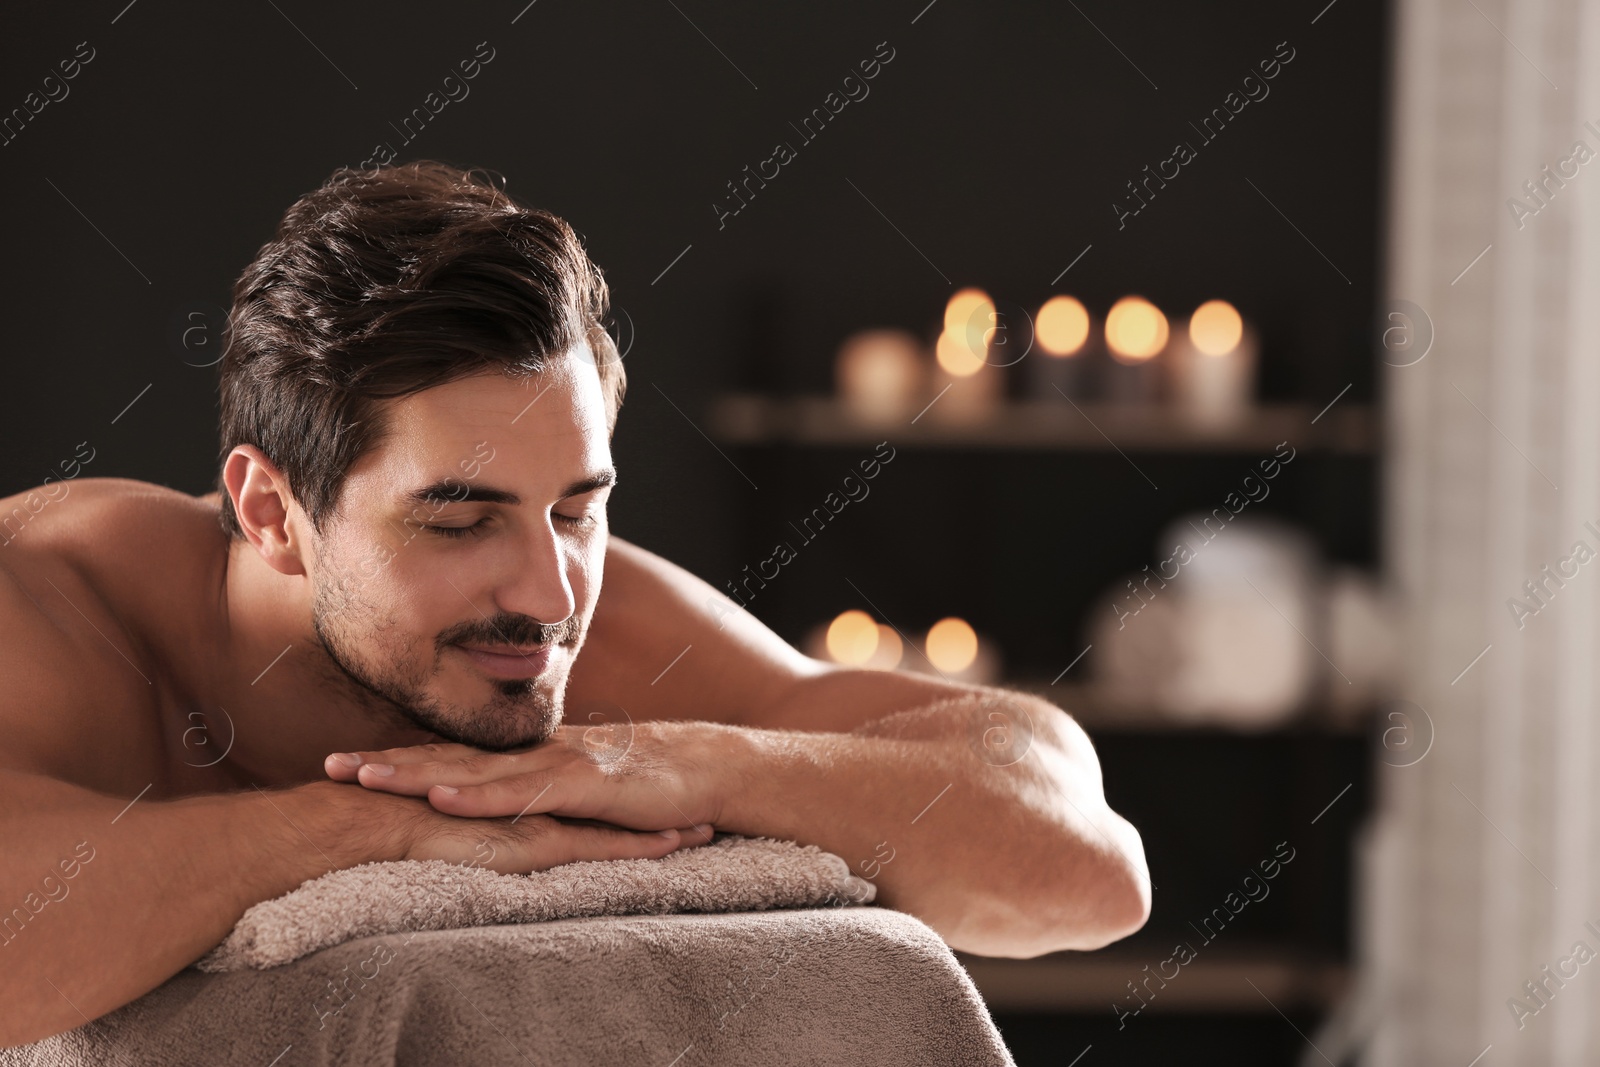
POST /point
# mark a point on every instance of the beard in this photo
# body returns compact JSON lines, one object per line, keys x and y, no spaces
{"x":371,"y":658}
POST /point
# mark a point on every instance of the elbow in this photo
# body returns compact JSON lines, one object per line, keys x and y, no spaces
{"x":1109,"y":901}
{"x":1124,"y":904}
{"x":1103,"y":899}
{"x":1104,"y":893}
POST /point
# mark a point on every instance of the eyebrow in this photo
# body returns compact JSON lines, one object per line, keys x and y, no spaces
{"x":448,"y":491}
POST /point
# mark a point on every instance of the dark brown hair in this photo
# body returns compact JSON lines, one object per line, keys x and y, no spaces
{"x":383,"y":283}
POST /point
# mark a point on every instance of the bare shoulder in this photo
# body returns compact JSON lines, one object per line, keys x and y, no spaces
{"x":83,"y":679}
{"x":139,"y":547}
{"x":664,"y":644}
{"x":101,"y":519}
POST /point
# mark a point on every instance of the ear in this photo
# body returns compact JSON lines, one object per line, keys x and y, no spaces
{"x":267,"y":510}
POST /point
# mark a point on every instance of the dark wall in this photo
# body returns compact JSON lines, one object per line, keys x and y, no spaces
{"x":990,"y":151}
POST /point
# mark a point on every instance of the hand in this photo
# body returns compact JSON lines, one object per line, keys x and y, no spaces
{"x":362,"y":826}
{"x":534,"y":842}
{"x":666,"y":776}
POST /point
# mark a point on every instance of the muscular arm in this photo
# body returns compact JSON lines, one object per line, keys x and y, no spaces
{"x":980,"y":812}
{"x":99,"y":905}
{"x":1018,"y":853}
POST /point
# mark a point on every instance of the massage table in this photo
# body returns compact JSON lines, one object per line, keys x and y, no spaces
{"x":842,"y":983}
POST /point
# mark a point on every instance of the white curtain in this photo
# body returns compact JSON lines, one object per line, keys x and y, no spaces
{"x":1483,"y":865}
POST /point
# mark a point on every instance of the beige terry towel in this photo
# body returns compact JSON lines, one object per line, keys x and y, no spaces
{"x":793,"y":987}
{"x":731,"y":873}
{"x":410,"y":974}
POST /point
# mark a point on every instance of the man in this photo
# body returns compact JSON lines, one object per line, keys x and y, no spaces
{"x":384,"y":636}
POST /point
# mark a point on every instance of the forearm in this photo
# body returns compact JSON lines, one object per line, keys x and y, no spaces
{"x":1015,"y":854}
{"x":164,"y":882}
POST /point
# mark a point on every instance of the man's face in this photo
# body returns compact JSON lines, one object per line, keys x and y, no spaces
{"x":455,"y":582}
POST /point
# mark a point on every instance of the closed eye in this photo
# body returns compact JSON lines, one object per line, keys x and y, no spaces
{"x":585,"y":510}
{"x":460,"y":531}
{"x":478,"y":528}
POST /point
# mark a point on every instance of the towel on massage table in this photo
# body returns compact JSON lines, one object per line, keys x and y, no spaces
{"x":771,"y":960}
{"x":731,"y":873}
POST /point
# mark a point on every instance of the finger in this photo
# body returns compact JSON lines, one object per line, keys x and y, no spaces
{"x":692,"y":835}
{"x":570,"y":844}
{"x":697,"y":836}
{"x":471,"y":769}
{"x":517,"y":795}
{"x":343,"y":766}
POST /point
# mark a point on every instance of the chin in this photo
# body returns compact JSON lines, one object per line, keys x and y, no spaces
{"x":518,"y":714}
{"x":492,"y":737}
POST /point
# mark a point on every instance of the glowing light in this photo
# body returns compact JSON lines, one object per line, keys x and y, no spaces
{"x":969,"y":314}
{"x":957,"y":355}
{"x":1062,"y":326}
{"x":1215,"y":328}
{"x":952,"y":645}
{"x":852,"y":638}
{"x":886,"y":657}
{"x":879,"y":373}
{"x":1135,"y":330}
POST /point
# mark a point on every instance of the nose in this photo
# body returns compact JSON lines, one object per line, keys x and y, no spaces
{"x":535,"y":583}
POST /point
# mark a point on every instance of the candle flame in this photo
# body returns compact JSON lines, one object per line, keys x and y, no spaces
{"x":1215,"y":328}
{"x":1135,"y":329}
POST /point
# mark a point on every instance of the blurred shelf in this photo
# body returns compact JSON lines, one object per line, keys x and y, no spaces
{"x":1215,"y":980}
{"x":1045,"y":425}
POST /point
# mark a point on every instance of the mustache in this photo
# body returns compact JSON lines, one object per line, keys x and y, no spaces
{"x":509,"y":629}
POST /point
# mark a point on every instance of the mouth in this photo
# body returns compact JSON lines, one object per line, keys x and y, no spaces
{"x":509,"y":661}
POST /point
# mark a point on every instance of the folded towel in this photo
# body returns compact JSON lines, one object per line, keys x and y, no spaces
{"x":425,"y":963}
{"x":731,"y":873}
{"x":791,"y":987}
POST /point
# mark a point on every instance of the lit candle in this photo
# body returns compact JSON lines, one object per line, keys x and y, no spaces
{"x":1213,"y":365}
{"x":879,"y":375}
{"x":1136,"y":332}
{"x":969,"y":313}
{"x":953,"y":650}
{"x":1061,"y":333}
{"x":966,"y":389}
{"x":855,"y":640}
{"x":852,"y":638}
{"x":886,"y":656}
